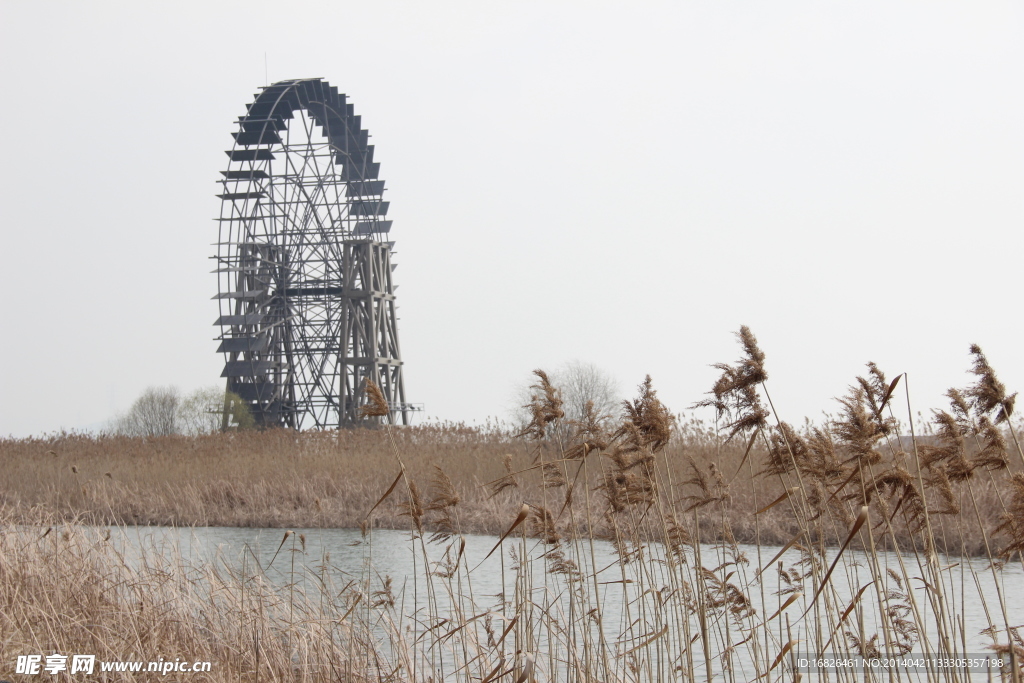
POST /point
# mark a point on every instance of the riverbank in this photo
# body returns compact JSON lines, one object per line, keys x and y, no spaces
{"x":285,"y":479}
{"x":78,"y":600}
{"x":620,"y":553}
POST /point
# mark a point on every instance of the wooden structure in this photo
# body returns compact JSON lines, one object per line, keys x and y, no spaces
{"x":304,"y":266}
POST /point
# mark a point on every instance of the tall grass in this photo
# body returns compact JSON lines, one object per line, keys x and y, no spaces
{"x":71,"y":589}
{"x":652,"y":550}
{"x":316,"y":479}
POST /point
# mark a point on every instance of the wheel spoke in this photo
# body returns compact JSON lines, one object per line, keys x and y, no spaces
{"x":306,"y":312}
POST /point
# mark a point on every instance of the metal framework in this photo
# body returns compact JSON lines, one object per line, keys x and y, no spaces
{"x":304,"y":271}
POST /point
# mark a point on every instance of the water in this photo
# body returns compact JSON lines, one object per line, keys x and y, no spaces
{"x":349,"y":557}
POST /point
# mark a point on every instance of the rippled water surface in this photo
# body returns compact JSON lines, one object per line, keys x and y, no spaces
{"x":348,"y":555}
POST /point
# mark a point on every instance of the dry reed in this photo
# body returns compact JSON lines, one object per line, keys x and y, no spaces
{"x":71,"y":589}
{"x":856,"y":514}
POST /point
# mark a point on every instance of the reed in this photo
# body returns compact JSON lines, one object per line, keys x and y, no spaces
{"x":288,"y":480}
{"x":658,"y":549}
{"x":69,"y":588}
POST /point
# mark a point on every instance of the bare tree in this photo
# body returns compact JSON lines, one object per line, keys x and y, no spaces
{"x":160,"y":411}
{"x":154,"y":413}
{"x":583,"y":383}
{"x":578,"y":383}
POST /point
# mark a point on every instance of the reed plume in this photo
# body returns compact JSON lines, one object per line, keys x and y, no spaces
{"x":857,"y":430}
{"x":988,"y":394}
{"x":376,"y":405}
{"x":647,"y":423}
{"x":1012,"y":521}
{"x":443,"y":493}
{"x":734,"y":395}
{"x":877,"y":393}
{"x":507,"y":481}
{"x":712,"y":486}
{"x":588,"y":433}
{"x":542,"y":525}
{"x":545,"y":406}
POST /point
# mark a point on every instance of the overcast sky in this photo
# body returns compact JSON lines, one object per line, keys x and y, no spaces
{"x":619,"y":183}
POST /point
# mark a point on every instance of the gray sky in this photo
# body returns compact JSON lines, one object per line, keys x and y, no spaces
{"x":620,"y":183}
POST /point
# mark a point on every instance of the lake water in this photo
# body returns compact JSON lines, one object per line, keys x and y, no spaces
{"x":391,"y":554}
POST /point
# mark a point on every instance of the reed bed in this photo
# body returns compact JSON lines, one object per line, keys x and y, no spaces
{"x":695,"y":604}
{"x":273,"y":478}
{"x":69,"y":588}
{"x":279,"y":479}
{"x":734,"y":549}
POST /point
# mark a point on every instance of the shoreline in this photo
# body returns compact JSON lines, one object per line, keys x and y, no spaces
{"x":279,"y":479}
